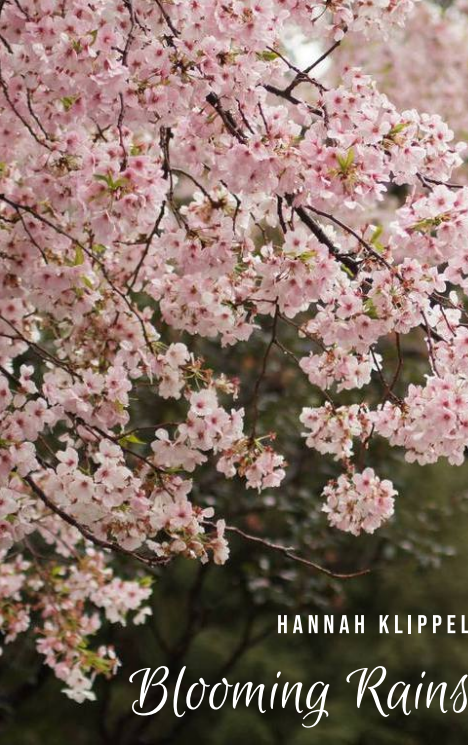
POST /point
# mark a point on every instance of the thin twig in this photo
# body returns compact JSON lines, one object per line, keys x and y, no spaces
{"x":288,"y":551}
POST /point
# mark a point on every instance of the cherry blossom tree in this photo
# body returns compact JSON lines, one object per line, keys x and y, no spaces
{"x":170,"y":174}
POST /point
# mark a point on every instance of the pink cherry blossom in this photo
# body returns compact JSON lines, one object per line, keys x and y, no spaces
{"x":359,"y":502}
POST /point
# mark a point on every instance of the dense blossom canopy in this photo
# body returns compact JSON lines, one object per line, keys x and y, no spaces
{"x":168,"y":172}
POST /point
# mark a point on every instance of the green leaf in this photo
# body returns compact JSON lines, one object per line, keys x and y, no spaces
{"x":376,"y":234}
{"x":146,"y":581}
{"x":371,"y":310}
{"x":429,"y":223}
{"x":79,"y":256}
{"x":307,"y":255}
{"x":101,"y":177}
{"x":68,"y":101}
{"x":267,"y":56}
{"x":345,"y":162}
{"x":131,"y":439}
{"x":112,"y":185}
{"x":398,"y":128}
{"x":375,"y":239}
{"x":87,"y":282}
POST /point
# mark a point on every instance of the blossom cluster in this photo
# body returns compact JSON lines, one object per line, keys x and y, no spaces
{"x":431,"y":45}
{"x":61,"y":595}
{"x":359,"y":502}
